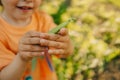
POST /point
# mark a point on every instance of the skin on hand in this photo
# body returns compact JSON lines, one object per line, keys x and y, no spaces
{"x":60,"y":42}
{"x":29,"y":46}
{"x":32,"y":44}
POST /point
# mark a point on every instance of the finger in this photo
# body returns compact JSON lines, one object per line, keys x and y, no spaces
{"x":54,"y":37}
{"x":30,"y":40}
{"x":32,"y":48}
{"x":27,"y":55}
{"x":56,"y":52}
{"x":54,"y":44}
{"x":63,"y":32}
{"x":32,"y":34}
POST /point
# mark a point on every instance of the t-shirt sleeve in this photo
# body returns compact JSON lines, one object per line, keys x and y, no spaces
{"x":6,"y":56}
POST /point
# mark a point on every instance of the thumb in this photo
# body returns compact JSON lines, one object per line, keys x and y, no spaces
{"x":63,"y":32}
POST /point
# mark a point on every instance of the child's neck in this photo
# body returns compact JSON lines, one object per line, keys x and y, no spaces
{"x":16,"y":21}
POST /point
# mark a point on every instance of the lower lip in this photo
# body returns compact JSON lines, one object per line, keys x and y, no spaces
{"x":25,"y":10}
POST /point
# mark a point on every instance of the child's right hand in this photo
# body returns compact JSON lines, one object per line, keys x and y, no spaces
{"x":29,"y":46}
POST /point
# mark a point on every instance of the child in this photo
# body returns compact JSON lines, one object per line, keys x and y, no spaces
{"x":23,"y":36}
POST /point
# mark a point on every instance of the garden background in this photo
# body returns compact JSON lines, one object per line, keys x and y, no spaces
{"x":95,"y":35}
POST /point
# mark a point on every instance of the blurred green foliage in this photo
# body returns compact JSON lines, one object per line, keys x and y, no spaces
{"x":95,"y":35}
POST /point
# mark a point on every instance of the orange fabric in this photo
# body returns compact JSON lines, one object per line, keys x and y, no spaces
{"x":9,"y":38}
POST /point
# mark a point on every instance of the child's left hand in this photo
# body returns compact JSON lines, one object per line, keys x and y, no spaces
{"x":60,"y":43}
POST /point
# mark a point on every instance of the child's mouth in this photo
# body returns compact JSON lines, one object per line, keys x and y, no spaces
{"x":24,"y":7}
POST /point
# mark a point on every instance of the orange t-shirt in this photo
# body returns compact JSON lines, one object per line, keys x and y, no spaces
{"x":9,"y":38}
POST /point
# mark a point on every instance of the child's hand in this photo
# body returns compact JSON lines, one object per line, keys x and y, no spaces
{"x":29,"y":46}
{"x":60,"y":43}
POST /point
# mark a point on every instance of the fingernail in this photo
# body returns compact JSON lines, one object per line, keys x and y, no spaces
{"x":42,"y":53}
{"x":50,"y":51}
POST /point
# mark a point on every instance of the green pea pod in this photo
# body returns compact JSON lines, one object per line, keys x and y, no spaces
{"x":62,"y":25}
